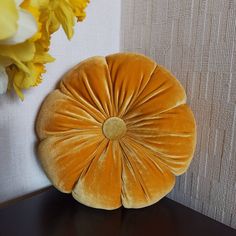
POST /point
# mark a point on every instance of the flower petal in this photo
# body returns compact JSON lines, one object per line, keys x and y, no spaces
{"x":145,"y":179}
{"x":25,"y":79}
{"x":99,"y":185}
{"x":27,"y":27}
{"x":78,"y":7}
{"x":3,"y":80}
{"x":19,"y":53}
{"x":66,"y":116}
{"x":65,"y":16}
{"x":129,"y":74}
{"x":170,"y":135}
{"x":8,"y":19}
{"x":90,"y":84}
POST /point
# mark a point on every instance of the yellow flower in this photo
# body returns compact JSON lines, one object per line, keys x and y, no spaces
{"x":18,"y":54}
{"x":78,"y":7}
{"x":25,"y":38}
{"x":24,"y":79}
{"x":62,"y":12}
{"x":29,"y":73}
{"x":14,"y":49}
{"x":17,"y":25}
{"x":8,"y":11}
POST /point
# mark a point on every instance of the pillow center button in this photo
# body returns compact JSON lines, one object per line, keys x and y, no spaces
{"x":114,"y":128}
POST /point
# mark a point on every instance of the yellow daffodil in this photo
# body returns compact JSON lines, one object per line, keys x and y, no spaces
{"x":8,"y":11}
{"x":25,"y":38}
{"x":30,"y":74}
{"x":78,"y":7}
{"x":62,"y":12}
{"x":14,"y":47}
{"x":21,"y":25}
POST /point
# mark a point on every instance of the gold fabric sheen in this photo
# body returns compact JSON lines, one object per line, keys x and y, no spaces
{"x":116,"y":132}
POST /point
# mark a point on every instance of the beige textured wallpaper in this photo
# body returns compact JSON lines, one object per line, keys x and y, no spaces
{"x":196,"y":40}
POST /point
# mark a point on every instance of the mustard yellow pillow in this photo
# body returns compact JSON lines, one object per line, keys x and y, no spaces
{"x":116,"y":132}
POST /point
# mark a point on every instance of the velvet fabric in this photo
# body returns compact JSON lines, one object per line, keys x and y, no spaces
{"x":135,"y":168}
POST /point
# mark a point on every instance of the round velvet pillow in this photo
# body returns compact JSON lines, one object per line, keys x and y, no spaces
{"x":116,"y":132}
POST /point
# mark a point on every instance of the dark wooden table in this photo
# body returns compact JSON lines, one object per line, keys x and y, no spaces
{"x":54,"y":213}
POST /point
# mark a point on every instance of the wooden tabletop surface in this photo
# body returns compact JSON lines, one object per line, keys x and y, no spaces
{"x":53,"y":213}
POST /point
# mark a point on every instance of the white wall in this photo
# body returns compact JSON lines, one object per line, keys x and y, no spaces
{"x":20,"y":172}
